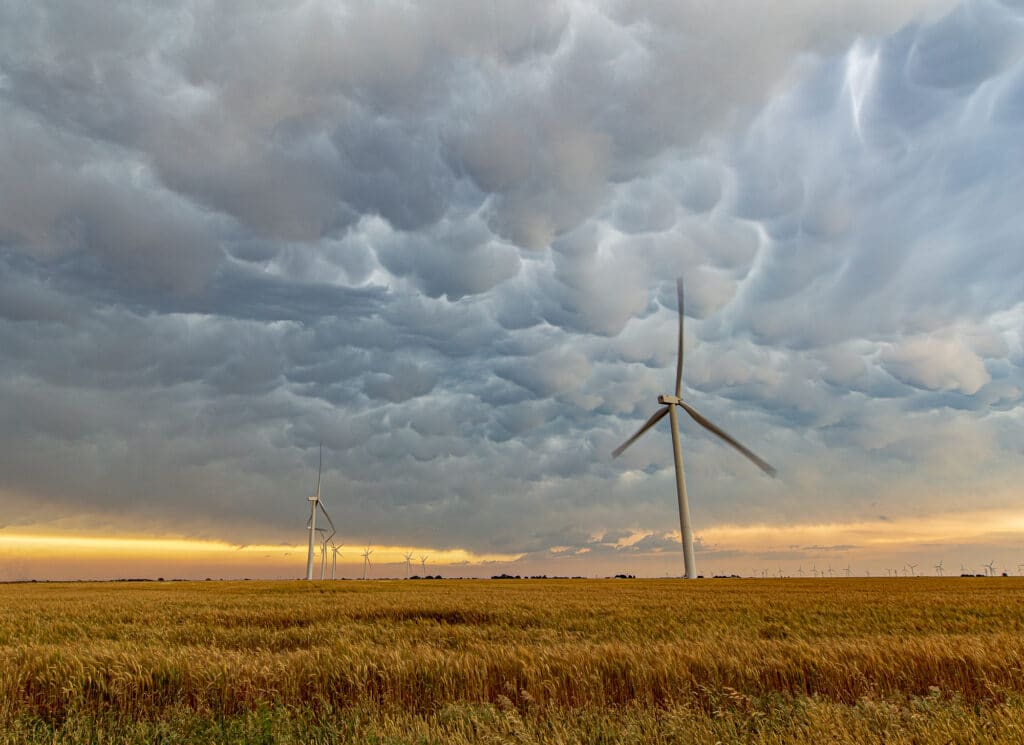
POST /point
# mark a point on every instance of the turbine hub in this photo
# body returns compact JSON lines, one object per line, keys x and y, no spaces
{"x":312,"y":499}
{"x":667,"y":399}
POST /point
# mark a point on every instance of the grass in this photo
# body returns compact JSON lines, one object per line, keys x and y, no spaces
{"x":575,"y":661}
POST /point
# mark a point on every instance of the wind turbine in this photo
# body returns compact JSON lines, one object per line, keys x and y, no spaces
{"x":314,"y":504}
{"x":848,"y":571}
{"x":670,"y":403}
{"x":990,"y":569}
{"x":314,"y":501}
{"x":366,"y":560}
{"x":334,"y":558}
{"x":938,"y":568}
{"x":323,"y":552}
{"x":423,"y":563}
{"x":830,"y":571}
{"x":408,"y":565}
{"x":912,"y":567}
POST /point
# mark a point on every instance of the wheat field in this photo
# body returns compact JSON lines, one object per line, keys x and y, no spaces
{"x":563,"y":661}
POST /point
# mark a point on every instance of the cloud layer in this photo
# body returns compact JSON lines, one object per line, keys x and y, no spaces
{"x":442,"y":240}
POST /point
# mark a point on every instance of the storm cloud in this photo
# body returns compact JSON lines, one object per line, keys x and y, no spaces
{"x":442,"y":239}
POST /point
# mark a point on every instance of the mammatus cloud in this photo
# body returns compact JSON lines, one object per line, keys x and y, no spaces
{"x":441,"y":240}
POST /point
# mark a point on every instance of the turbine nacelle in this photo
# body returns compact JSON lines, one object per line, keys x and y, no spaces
{"x":669,"y":400}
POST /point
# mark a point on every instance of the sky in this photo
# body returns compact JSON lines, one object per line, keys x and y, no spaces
{"x":442,"y":239}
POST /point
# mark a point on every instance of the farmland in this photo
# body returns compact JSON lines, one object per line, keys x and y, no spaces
{"x":450,"y":661}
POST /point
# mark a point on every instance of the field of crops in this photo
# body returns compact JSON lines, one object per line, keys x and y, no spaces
{"x":453,"y":661}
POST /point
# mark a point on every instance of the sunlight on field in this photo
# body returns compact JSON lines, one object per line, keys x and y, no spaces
{"x":922,"y":660}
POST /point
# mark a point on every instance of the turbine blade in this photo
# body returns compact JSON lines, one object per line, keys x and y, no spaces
{"x":655,"y":418}
{"x":679,"y":359}
{"x":713,"y":428}
{"x":319,"y":468}
{"x":329,"y":520}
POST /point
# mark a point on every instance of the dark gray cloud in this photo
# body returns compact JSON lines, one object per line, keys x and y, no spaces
{"x":441,"y":240}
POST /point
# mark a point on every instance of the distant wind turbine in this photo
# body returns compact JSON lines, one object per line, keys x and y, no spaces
{"x":366,"y":560}
{"x":423,"y":563}
{"x":938,"y":568}
{"x":314,"y":505}
{"x":848,"y":571}
{"x":990,"y":568}
{"x":670,"y":403}
{"x":334,"y":558}
{"x":323,"y":553}
{"x":912,"y":567}
{"x":408,"y":565}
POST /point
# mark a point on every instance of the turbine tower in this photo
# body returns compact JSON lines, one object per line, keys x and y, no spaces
{"x":938,"y":568}
{"x":408,"y":565}
{"x":990,"y":569}
{"x":366,"y":560}
{"x":423,"y":563}
{"x":670,"y":404}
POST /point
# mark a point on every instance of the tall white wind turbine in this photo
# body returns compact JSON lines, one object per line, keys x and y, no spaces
{"x":314,"y":502}
{"x":408,"y":565}
{"x":366,"y":560}
{"x":938,"y":568}
{"x":316,"y":505}
{"x":423,"y":563}
{"x":670,"y":404}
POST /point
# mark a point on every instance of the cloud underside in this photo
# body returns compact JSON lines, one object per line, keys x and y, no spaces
{"x":442,"y":240}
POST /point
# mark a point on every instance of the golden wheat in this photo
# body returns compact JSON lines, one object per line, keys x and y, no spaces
{"x":536,"y":660}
